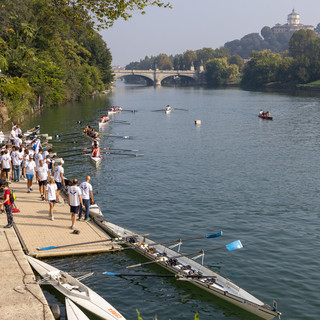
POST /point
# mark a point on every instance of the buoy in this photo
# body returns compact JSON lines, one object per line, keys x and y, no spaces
{"x":197,"y":122}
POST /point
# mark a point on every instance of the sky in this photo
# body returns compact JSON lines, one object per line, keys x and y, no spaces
{"x":195,"y":24}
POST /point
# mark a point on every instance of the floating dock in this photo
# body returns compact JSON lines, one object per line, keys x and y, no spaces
{"x":35,"y":229}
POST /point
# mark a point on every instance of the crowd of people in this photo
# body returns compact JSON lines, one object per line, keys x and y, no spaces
{"x":31,"y":161}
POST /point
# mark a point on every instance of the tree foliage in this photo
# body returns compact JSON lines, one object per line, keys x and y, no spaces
{"x":218,"y":72}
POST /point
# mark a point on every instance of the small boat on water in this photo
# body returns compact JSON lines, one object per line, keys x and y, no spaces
{"x":31,"y":132}
{"x":96,"y":161}
{"x":264,"y":117}
{"x":187,"y":268}
{"x":114,"y":110}
{"x":168,"y":109}
{"x":73,"y":312}
{"x":76,"y":291}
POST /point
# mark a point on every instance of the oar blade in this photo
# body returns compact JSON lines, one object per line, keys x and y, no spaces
{"x":215,"y":235}
{"x":234,"y":245}
{"x":47,"y":248}
{"x":112,"y":273}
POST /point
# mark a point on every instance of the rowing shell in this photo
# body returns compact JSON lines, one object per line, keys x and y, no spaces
{"x":73,"y":312}
{"x":102,"y":124}
{"x":95,"y":161}
{"x":167,"y":111}
{"x":184,"y":266}
{"x":75,"y":290}
{"x":111,"y":112}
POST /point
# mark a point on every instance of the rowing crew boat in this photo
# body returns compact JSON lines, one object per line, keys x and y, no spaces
{"x":102,"y":123}
{"x":183,"y":267}
{"x":96,"y":161}
{"x":265,"y":117}
{"x":168,"y":110}
{"x":76,"y":291}
{"x":114,"y":110}
{"x":32,"y":131}
{"x":89,"y":137}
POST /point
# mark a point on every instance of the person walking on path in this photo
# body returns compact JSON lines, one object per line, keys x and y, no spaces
{"x":87,"y":194}
{"x":7,"y":204}
{"x":58,"y":177}
{"x":30,"y":165}
{"x":51,"y":196}
{"x":16,"y":163}
{"x":42,"y":177}
{"x":74,"y":201}
{"x":6,"y":165}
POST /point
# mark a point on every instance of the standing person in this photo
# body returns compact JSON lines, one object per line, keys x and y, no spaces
{"x":42,"y":177}
{"x":51,"y":196}
{"x":58,"y":177}
{"x":24,"y":163}
{"x":74,"y":201}
{"x":87,"y":194}
{"x":37,"y":157}
{"x":30,"y":165}
{"x":13,"y":134}
{"x":19,"y":132}
{"x":16,"y":161}
{"x":6,"y":165}
{"x":7,"y":204}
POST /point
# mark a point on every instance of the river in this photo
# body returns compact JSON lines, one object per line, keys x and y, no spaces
{"x":256,"y":180}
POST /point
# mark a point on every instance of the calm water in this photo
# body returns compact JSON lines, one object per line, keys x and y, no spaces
{"x":256,"y":180}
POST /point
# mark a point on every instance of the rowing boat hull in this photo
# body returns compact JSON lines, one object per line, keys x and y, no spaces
{"x":218,"y":285}
{"x":96,"y":161}
{"x":102,"y":124}
{"x":264,"y":117}
{"x":75,"y":290}
{"x":32,"y":131}
{"x":73,"y":312}
{"x":168,"y":111}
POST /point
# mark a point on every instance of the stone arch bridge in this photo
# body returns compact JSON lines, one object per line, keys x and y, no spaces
{"x":155,"y":77}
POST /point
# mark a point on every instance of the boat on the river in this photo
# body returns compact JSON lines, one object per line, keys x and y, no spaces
{"x":96,"y":161}
{"x":168,"y":109}
{"x":76,"y":291}
{"x":33,"y":131}
{"x":265,"y":117}
{"x":73,"y":312}
{"x":114,"y":110}
{"x":186,"y":268}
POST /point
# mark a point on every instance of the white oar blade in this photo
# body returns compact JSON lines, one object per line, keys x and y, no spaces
{"x":234,"y":245}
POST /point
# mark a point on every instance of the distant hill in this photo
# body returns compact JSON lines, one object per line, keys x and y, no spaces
{"x":276,"y":42}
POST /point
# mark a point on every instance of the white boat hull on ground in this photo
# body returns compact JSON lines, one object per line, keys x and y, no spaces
{"x":217,"y":285}
{"x":75,"y":290}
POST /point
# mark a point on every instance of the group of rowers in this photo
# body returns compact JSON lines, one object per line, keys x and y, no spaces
{"x":115,"y":109}
{"x":104,"y":119}
{"x":90,"y":132}
{"x":264,"y":114}
{"x":95,"y":149}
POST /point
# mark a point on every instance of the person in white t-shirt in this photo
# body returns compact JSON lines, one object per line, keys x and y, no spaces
{"x":37,"y":157}
{"x":13,"y":134}
{"x":6,"y":165}
{"x":74,"y":201}
{"x":42,"y":177}
{"x":16,"y":161}
{"x":17,"y":142}
{"x":30,"y":165}
{"x":87,"y":195}
{"x":51,"y":195}
{"x":58,"y":177}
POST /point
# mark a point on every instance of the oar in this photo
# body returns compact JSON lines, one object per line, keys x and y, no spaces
{"x":114,"y":136}
{"x":112,"y":149}
{"x":71,"y":245}
{"x":125,"y":154}
{"x":231,"y":246}
{"x":181,"y":109}
{"x":156,"y":275}
{"x":215,"y":235}
{"x":66,"y":134}
{"x":128,"y":110}
{"x":158,"y":110}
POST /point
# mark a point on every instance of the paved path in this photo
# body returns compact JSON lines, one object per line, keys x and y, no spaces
{"x":18,"y":301}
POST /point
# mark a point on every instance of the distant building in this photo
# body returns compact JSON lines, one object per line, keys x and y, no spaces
{"x":293,"y":24}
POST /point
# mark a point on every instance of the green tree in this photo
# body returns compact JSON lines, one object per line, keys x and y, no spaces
{"x":164,"y":62}
{"x":237,"y":60}
{"x":188,"y":58}
{"x":218,"y":72}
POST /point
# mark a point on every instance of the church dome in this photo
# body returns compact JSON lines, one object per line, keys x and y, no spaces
{"x":293,"y":18}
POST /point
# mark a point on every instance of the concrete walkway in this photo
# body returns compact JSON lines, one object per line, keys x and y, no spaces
{"x":20,"y":297}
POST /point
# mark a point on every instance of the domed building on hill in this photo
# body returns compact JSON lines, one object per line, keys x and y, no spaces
{"x":293,"y":24}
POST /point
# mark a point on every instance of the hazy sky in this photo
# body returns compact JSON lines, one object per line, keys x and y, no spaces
{"x":194,"y":24}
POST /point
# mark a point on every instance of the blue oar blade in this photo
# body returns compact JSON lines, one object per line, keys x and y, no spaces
{"x":215,"y":235}
{"x":111,"y":273}
{"x":234,"y":245}
{"x":47,"y":248}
